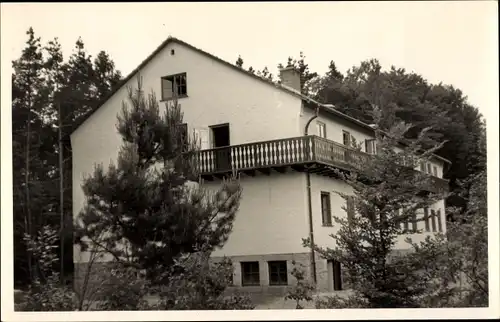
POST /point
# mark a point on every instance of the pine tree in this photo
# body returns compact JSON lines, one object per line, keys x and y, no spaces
{"x":150,"y":200}
{"x":386,"y":193}
{"x":106,"y":76}
{"x":30,"y":141}
{"x":306,"y":76}
{"x":41,"y":83}
{"x":239,"y":62}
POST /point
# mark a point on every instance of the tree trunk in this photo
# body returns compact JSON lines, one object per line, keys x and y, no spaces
{"x":61,"y":191}
{"x":29,"y":227}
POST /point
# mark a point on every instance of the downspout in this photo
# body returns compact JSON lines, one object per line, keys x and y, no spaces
{"x":309,"y":204}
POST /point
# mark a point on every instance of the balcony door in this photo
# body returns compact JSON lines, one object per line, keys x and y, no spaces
{"x":221,"y":144}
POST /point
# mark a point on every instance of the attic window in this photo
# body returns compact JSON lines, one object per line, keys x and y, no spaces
{"x":173,"y":86}
{"x":172,"y":52}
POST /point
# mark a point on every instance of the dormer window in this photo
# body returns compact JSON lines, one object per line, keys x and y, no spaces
{"x":173,"y":86}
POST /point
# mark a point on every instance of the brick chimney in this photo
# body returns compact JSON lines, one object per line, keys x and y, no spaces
{"x":290,"y":77}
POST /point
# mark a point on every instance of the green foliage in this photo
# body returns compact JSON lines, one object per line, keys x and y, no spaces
{"x":459,"y":268}
{"x":46,"y":293}
{"x":387,"y":192}
{"x":303,"y":289}
{"x":239,"y":62}
{"x":196,"y":284}
{"x":150,"y":214}
{"x":306,"y":76}
{"x":411,"y":98}
{"x":41,"y":81}
{"x":125,"y":289}
{"x":48,"y":296}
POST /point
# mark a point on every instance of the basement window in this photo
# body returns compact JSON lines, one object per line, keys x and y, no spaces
{"x":173,"y":86}
{"x":250,"y":275}
{"x":278,"y":273}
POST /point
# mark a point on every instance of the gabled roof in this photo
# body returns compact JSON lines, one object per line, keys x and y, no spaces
{"x":324,"y":107}
{"x":169,"y":40}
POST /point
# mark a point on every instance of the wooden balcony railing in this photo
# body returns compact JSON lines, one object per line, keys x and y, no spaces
{"x":283,"y":152}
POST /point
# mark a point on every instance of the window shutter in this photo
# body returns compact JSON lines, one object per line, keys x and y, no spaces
{"x":440,"y":224}
{"x":166,"y":88}
{"x":406,"y":223}
{"x":203,"y":138}
{"x":426,"y":218}
{"x":414,"y":222}
{"x":326,"y":209}
{"x":433,"y":220}
{"x":370,"y":146}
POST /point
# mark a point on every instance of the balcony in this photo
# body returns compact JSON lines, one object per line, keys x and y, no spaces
{"x":304,"y":153}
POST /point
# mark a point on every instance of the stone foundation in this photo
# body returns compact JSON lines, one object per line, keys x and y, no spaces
{"x":324,"y":273}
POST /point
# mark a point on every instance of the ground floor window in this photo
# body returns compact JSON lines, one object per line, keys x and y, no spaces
{"x":250,"y":273}
{"x":278,"y":273}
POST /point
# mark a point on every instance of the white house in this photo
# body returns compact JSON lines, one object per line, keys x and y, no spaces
{"x":258,"y":128}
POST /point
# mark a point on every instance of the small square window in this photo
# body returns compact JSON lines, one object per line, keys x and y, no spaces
{"x":278,"y":273}
{"x":321,"y":129}
{"x":174,"y":86}
{"x":250,"y":275}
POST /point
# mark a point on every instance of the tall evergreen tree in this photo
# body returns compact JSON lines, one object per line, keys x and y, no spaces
{"x":306,"y":76}
{"x":413,"y":99}
{"x":29,"y":96}
{"x":149,"y":200}
{"x":387,"y":193}
{"x":41,"y":82}
{"x":239,"y":62}
{"x":106,"y":76}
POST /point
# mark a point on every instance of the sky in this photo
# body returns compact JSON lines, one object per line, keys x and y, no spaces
{"x":450,"y":42}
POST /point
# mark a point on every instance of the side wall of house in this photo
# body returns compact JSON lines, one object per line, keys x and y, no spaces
{"x":216,"y":93}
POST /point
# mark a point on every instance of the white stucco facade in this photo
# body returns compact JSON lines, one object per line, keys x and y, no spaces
{"x":273,"y":214}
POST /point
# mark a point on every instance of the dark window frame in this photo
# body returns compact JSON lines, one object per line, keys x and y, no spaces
{"x":426,"y":219}
{"x":278,"y":275}
{"x":439,"y":220}
{"x":414,"y":222}
{"x":433,"y":220}
{"x":326,"y":209}
{"x":349,"y":139}
{"x":252,"y":272}
{"x":178,"y":90}
{"x":370,"y":143}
